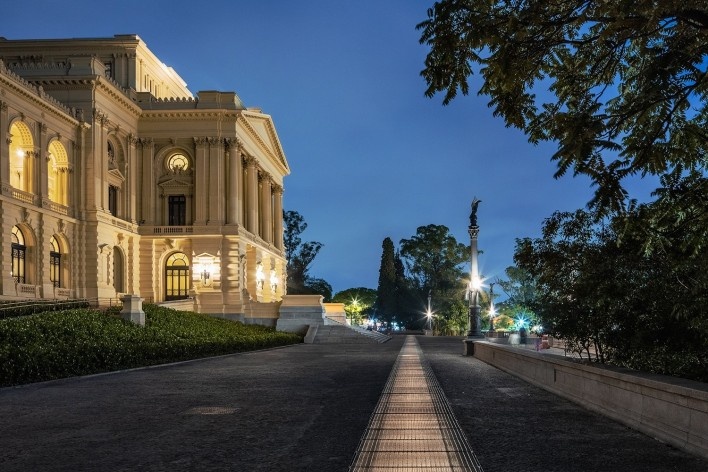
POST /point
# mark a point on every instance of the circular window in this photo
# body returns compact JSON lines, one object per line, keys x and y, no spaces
{"x":178,"y":162}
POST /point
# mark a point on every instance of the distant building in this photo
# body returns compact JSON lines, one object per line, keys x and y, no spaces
{"x":117,"y":180}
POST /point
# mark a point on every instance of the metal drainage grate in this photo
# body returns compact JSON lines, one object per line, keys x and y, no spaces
{"x":413,"y":427}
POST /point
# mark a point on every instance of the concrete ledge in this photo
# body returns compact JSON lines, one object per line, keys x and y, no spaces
{"x":669,"y":409}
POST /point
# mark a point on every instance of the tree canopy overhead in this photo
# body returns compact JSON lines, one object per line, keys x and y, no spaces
{"x":628,"y":79}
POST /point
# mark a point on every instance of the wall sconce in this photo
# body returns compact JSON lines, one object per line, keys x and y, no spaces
{"x":260,"y":276}
{"x":273,"y":281}
{"x":206,"y":277}
{"x":205,"y":268}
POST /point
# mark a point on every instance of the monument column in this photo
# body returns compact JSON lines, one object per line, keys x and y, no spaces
{"x":475,"y":284}
{"x":147,"y":196}
{"x":201,"y":181}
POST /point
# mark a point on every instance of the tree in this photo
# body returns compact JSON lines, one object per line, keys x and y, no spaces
{"x":628,"y":79}
{"x":643,"y":310}
{"x":520,"y":289}
{"x":358,"y":302}
{"x":299,"y":257}
{"x":386,"y":291}
{"x":433,"y":258}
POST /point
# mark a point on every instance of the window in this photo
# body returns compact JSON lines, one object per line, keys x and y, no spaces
{"x":178,"y":163}
{"x":177,"y":210}
{"x":177,"y":277}
{"x":55,"y":263}
{"x":113,"y":200}
{"x":19,"y":253}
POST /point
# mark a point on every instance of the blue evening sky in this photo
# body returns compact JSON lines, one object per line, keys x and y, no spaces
{"x":371,"y":157}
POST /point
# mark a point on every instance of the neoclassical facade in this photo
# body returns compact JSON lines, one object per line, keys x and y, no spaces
{"x":116,"y":179}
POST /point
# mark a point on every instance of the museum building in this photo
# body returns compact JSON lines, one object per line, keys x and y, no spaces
{"x":117,"y":180}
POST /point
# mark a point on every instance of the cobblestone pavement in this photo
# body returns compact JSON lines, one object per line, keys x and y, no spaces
{"x":301,"y":408}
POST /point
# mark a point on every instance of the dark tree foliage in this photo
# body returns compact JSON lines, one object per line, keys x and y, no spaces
{"x":433,"y":259}
{"x":618,"y":301}
{"x":627,"y":79}
{"x":299,"y":256}
{"x":386,"y":298}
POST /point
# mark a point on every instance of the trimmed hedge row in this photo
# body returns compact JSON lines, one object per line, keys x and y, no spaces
{"x":15,"y":309}
{"x":75,"y":342}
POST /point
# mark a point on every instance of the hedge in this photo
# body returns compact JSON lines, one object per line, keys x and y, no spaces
{"x":75,"y":342}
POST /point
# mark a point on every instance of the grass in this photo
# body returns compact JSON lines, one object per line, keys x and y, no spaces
{"x":68,"y":343}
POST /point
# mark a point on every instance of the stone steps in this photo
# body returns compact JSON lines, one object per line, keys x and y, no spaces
{"x":342,"y":334}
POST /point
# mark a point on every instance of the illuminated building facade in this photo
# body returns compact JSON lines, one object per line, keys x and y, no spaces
{"x":116,"y":179}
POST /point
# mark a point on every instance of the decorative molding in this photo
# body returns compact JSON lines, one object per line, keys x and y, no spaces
{"x":201,"y":141}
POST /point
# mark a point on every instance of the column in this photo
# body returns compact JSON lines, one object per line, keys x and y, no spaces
{"x":201,"y":181}
{"x":41,"y":181}
{"x":215,"y":205}
{"x":278,"y":216}
{"x":4,"y":148}
{"x":131,"y":186}
{"x":234,"y":184}
{"x":251,"y":195}
{"x":147,"y":196}
{"x":266,"y":208}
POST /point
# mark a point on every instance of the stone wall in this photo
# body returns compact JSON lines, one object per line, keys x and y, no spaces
{"x":670,"y":409}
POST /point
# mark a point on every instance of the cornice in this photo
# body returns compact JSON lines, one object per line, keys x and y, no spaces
{"x":37,"y":95}
{"x":185,"y":115}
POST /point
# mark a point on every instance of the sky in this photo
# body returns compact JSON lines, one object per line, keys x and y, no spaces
{"x":370,"y":156}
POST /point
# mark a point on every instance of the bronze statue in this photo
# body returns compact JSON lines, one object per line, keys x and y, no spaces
{"x":473,"y":215}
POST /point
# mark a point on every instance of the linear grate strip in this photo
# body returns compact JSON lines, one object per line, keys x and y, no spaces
{"x":413,"y":427}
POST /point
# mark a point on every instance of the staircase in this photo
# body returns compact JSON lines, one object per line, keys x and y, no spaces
{"x":334,"y":332}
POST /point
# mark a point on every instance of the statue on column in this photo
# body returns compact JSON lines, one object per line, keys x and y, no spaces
{"x":473,"y":215}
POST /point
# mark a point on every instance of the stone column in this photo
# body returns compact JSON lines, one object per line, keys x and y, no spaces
{"x":234,"y":184}
{"x":278,"y":216}
{"x":217,"y":191}
{"x":266,"y":208}
{"x":148,"y":190}
{"x":131,"y":186}
{"x":201,"y":181}
{"x":42,"y":180}
{"x":5,"y":141}
{"x":251,"y":195}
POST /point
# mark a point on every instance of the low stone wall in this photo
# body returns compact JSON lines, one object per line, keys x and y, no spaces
{"x":299,"y":312}
{"x":670,"y":409}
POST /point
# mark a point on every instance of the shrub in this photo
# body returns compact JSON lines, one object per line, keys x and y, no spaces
{"x":55,"y":345}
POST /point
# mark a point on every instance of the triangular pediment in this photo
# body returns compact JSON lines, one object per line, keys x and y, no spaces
{"x":260,"y":128}
{"x":173,"y":182}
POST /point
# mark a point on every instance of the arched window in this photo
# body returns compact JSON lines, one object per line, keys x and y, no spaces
{"x":21,"y":149}
{"x":177,"y":277}
{"x":19,"y":253}
{"x":57,"y":172}
{"x":55,"y":263}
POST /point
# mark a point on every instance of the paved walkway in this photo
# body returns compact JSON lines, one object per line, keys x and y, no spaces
{"x":302,"y":408}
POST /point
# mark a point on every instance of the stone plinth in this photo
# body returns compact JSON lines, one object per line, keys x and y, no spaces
{"x":335,"y":311}
{"x":133,"y":309}
{"x":299,"y":312}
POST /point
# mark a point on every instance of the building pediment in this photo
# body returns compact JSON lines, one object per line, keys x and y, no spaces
{"x":260,"y":129}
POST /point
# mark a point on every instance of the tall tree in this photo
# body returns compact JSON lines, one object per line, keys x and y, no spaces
{"x":434,"y":260}
{"x":300,"y":256}
{"x":628,"y":80}
{"x":386,"y":291}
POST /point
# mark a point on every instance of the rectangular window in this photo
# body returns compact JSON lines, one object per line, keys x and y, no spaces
{"x":113,"y":200}
{"x":55,"y":268}
{"x":18,"y":263}
{"x":177,"y":210}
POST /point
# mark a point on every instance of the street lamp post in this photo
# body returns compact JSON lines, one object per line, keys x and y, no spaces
{"x":429,"y":314}
{"x":491,"y":307}
{"x":475,"y":282}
